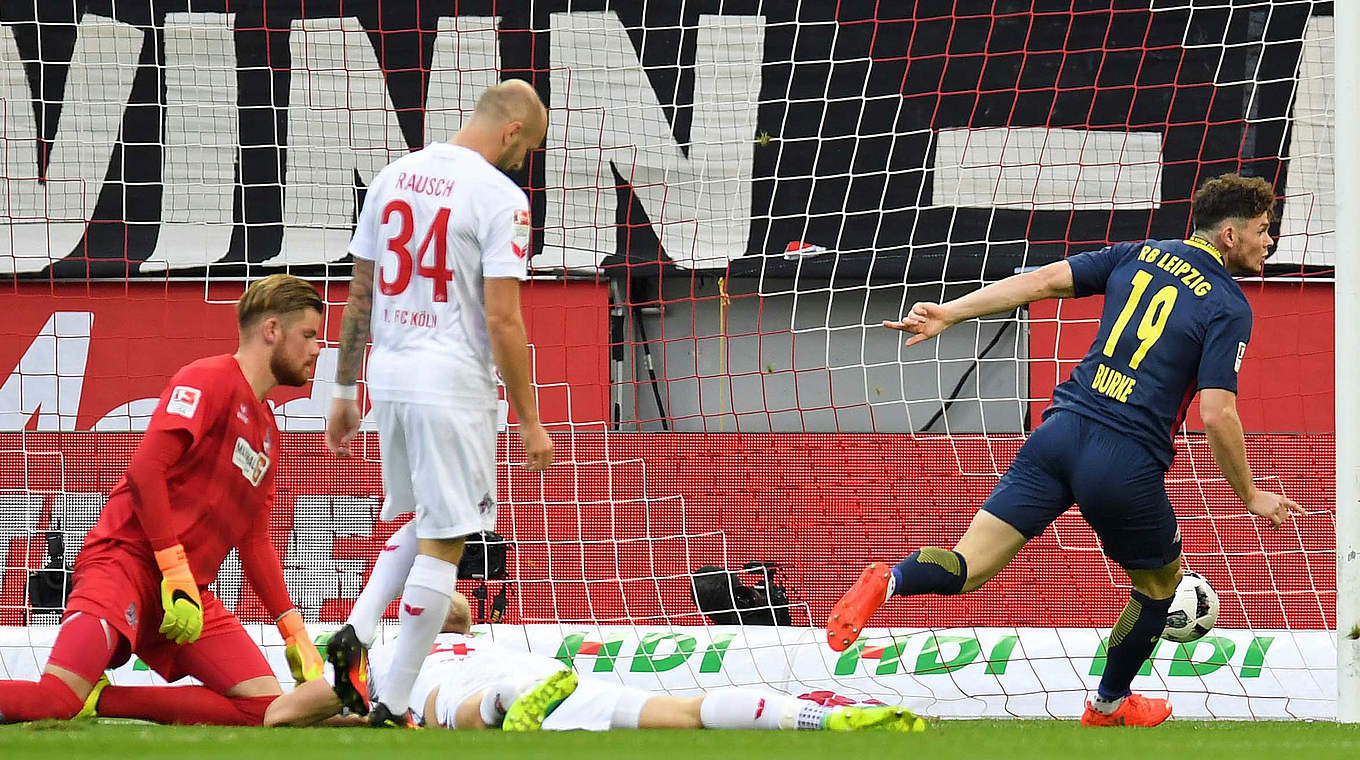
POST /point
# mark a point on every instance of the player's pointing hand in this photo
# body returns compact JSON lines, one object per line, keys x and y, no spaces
{"x":924,"y":321}
{"x":1273,"y":507}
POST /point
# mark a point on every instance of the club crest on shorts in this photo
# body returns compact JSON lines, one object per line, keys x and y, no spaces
{"x":131,"y":614}
{"x":487,"y":504}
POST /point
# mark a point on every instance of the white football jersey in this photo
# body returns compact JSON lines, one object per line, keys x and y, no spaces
{"x":460,"y":666}
{"x":435,"y":223}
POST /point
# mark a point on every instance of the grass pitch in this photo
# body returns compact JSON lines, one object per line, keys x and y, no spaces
{"x":979,"y":740}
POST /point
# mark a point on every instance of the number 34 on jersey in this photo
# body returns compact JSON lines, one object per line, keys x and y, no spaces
{"x":437,"y":235}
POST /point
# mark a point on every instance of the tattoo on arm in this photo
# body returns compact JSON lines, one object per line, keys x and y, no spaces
{"x":354,"y":325}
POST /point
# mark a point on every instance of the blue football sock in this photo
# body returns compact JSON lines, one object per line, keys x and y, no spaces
{"x":930,"y":571}
{"x":1131,"y":642}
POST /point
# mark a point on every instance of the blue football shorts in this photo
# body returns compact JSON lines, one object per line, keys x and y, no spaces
{"x":1118,"y":484}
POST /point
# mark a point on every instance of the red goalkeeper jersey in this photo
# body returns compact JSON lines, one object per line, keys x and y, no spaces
{"x":221,"y":488}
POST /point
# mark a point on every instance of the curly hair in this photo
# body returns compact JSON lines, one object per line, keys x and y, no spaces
{"x":1232,"y":196}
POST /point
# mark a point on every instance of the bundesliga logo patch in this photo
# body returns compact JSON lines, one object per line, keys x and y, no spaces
{"x":520,"y":232}
{"x":183,"y":401}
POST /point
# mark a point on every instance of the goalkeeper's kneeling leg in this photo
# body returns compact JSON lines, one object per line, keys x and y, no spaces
{"x":83,"y":648}
{"x":48,"y":698}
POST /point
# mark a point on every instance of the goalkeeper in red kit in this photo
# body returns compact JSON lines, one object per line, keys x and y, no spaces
{"x":200,"y":483}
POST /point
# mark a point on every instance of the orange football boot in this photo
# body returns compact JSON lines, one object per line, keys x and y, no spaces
{"x":853,"y":611}
{"x":1135,"y":710}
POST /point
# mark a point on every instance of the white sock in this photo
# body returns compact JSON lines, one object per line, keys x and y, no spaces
{"x":389,"y":575}
{"x":424,"y":605}
{"x":811,"y":716}
{"x":1106,"y":705}
{"x":493,"y":707}
{"x":754,"y":709}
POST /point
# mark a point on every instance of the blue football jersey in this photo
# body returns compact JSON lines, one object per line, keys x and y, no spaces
{"x":1174,"y":322}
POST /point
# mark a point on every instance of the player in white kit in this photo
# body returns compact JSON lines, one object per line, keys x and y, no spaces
{"x":439,"y":250}
{"x":469,"y":682}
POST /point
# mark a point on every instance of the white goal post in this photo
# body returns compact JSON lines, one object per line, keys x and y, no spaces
{"x":1347,"y":339}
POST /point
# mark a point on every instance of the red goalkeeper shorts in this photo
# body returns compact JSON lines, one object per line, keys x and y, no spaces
{"x":124,"y":590}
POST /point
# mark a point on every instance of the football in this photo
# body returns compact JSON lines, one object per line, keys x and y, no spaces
{"x":1194,"y":609}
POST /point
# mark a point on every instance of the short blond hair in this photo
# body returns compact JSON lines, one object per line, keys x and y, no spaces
{"x":511,"y":100}
{"x":276,"y":295}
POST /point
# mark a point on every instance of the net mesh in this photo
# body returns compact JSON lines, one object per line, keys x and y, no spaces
{"x":730,"y":199}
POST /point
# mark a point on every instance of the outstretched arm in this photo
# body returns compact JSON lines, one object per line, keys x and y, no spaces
{"x":343,"y":422}
{"x":310,"y":703}
{"x":926,"y":320}
{"x":1218,"y":411}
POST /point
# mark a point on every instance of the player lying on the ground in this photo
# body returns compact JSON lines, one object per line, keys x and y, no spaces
{"x":468,"y":682}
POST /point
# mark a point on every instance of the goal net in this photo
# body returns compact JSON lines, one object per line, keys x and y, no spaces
{"x":730,"y":199}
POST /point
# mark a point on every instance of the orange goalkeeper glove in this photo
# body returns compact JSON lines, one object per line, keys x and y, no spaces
{"x":183,"y":621}
{"x":303,"y":659}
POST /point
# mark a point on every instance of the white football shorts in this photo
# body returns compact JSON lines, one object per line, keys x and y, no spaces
{"x":591,"y":707}
{"x":468,"y":678}
{"x":440,"y":463}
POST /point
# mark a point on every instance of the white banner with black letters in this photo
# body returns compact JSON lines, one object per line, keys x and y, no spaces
{"x":144,"y":136}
